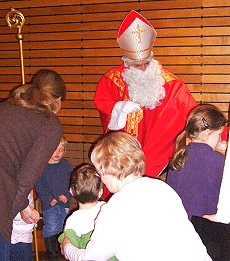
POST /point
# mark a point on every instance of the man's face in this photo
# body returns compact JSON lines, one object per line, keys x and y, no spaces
{"x":142,"y":65}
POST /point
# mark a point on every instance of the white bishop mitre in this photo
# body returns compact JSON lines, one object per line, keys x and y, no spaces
{"x":136,"y":37}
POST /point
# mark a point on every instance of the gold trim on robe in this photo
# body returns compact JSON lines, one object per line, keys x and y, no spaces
{"x":134,"y":118}
{"x":168,"y":76}
{"x":115,"y":76}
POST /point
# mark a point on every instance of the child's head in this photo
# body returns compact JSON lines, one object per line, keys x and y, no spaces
{"x":59,"y":152}
{"x":205,"y":123}
{"x":85,"y":184}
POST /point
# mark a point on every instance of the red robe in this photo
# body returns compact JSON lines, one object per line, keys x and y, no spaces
{"x":155,"y":129}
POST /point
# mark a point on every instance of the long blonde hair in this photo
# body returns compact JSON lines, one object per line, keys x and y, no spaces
{"x":41,"y":93}
{"x":205,"y":116}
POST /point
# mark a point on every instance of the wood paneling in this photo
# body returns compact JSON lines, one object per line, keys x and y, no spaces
{"x":78,"y":40}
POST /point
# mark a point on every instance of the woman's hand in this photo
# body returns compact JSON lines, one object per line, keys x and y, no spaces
{"x":30,"y":215}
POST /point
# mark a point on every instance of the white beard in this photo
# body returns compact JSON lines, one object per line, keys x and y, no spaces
{"x":145,"y":88}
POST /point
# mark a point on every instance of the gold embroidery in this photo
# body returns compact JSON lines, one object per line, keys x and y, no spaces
{"x":168,"y":76}
{"x":133,"y":119}
{"x":138,"y":32}
{"x":115,"y":76}
{"x":137,"y":51}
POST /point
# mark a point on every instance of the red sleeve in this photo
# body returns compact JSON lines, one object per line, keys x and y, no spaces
{"x":110,"y":90}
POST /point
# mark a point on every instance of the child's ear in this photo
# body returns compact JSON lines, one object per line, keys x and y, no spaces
{"x":207,"y":132}
{"x":204,"y":135}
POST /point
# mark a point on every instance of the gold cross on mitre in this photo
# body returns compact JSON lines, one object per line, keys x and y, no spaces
{"x":138,"y":32}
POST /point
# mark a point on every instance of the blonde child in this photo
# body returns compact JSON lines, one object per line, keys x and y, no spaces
{"x":53,"y":190}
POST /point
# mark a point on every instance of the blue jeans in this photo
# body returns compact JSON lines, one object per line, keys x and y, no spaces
{"x":21,"y":252}
{"x":53,"y":219}
{"x":4,"y":249}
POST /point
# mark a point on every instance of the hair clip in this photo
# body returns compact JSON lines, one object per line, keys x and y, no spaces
{"x":205,"y":123}
{"x":96,"y":174}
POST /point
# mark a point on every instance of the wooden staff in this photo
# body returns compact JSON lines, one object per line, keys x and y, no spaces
{"x":35,"y":228}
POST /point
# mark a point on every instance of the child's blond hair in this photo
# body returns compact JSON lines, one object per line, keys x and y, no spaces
{"x":64,"y":142}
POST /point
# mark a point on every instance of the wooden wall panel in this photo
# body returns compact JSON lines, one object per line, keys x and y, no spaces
{"x":78,"y":39}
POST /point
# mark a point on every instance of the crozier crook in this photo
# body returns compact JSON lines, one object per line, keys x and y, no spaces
{"x":15,"y":18}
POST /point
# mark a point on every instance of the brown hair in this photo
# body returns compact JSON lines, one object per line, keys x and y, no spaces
{"x":41,"y":93}
{"x":85,"y":184}
{"x":205,"y":116}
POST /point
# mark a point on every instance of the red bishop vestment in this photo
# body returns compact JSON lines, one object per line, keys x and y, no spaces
{"x":155,"y":129}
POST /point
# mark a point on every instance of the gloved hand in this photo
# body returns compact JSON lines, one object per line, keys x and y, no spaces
{"x":126,"y":106}
{"x":119,"y":114}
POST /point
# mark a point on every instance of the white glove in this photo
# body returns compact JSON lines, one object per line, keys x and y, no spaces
{"x":119,"y":114}
{"x":126,"y":106}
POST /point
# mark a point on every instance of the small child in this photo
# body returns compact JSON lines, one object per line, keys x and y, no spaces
{"x":86,"y":188}
{"x":53,"y":190}
{"x":22,"y":237}
{"x":196,"y":168}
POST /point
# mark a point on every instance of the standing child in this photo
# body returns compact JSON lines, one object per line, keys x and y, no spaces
{"x":22,"y":237}
{"x":53,"y":190}
{"x":196,"y":168}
